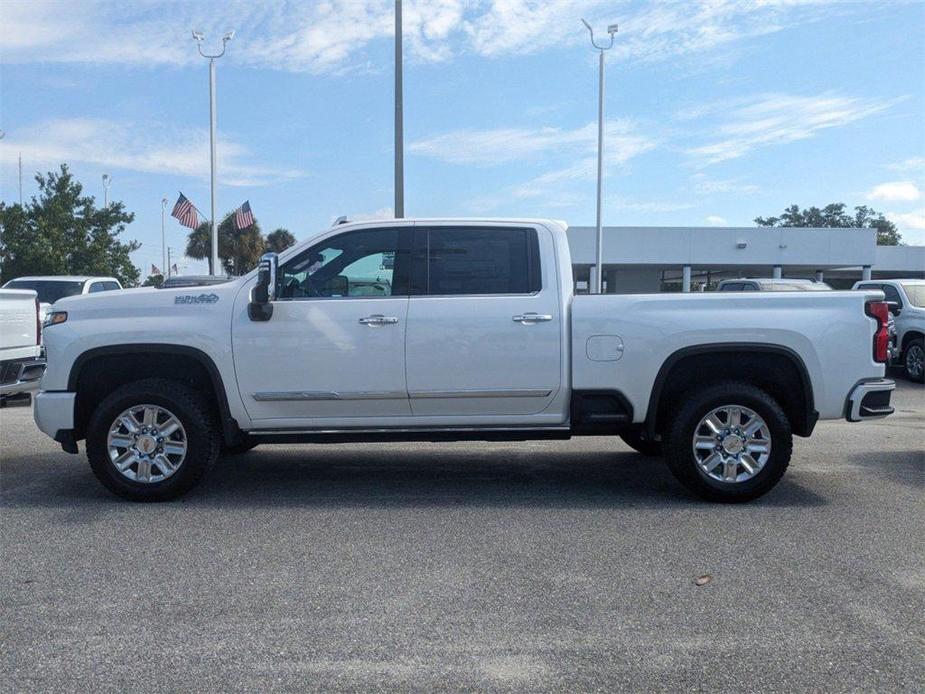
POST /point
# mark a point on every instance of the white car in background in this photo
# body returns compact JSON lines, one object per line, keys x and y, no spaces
{"x":50,"y":288}
{"x":21,"y":362}
{"x":907,"y":304}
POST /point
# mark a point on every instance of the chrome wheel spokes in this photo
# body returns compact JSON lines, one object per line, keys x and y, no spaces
{"x":731,"y":444}
{"x":147,"y":443}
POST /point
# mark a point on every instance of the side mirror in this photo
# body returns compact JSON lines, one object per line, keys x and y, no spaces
{"x":894,"y":308}
{"x":263,"y":294}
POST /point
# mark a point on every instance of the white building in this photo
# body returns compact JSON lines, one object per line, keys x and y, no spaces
{"x":653,"y":259}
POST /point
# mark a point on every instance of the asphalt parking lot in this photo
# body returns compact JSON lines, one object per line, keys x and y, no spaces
{"x":514,"y":566}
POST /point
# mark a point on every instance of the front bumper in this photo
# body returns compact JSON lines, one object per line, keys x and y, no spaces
{"x":870,"y":400}
{"x":54,"y":412}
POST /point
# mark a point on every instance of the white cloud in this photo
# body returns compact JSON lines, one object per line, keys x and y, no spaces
{"x":715,"y":220}
{"x":568,"y":155}
{"x":776,"y":119}
{"x":331,"y":35}
{"x":895,"y":191}
{"x":914,"y":220}
{"x":505,"y":145}
{"x":144,"y":148}
{"x":916,"y":164}
{"x":708,"y":186}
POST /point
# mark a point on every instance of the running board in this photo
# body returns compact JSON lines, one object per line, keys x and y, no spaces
{"x":422,"y":435}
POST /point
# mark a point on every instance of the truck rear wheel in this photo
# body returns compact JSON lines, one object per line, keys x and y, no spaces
{"x":729,"y":442}
{"x":152,"y":440}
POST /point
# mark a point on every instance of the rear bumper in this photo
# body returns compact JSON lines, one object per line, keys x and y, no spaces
{"x":21,"y":376}
{"x":870,"y":400}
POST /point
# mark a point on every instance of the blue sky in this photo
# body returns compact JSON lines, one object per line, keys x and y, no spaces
{"x":716,"y":111}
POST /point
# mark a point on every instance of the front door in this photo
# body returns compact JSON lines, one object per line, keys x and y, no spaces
{"x":335,"y":346}
{"x":484,"y":323}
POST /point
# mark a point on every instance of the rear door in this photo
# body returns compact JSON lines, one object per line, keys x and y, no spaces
{"x":484,"y":324}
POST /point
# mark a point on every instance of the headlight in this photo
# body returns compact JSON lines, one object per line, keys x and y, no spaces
{"x":54,"y":317}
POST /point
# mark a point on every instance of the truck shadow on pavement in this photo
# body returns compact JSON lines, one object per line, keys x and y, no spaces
{"x":388,"y":476}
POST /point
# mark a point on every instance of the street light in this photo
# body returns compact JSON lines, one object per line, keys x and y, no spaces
{"x":611,"y":29}
{"x":165,"y":271}
{"x":200,"y":37}
{"x":107,"y":183}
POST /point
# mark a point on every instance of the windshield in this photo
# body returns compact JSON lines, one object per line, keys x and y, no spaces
{"x":49,"y":291}
{"x":916,"y":294}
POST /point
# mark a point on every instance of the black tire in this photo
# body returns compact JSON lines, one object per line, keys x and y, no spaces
{"x":633,"y":439}
{"x":679,"y":439}
{"x":919,"y":346}
{"x":203,"y":438}
{"x":245,"y":444}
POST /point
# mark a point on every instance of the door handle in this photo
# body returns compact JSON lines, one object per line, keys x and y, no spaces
{"x":532,"y":318}
{"x":378,"y":319}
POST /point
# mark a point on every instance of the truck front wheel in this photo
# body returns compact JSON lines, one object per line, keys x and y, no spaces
{"x":729,"y":442}
{"x":152,"y":440}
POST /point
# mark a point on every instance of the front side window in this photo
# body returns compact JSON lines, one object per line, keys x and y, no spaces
{"x":733,"y":287}
{"x":365,"y":263}
{"x":477,"y":260}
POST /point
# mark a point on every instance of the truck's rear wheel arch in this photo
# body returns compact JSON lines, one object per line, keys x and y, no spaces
{"x":97,"y":372}
{"x":777,"y":370}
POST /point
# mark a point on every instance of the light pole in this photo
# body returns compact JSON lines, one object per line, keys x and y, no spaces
{"x":200,"y":37}
{"x":611,"y":29}
{"x":399,"y":117}
{"x":107,"y":184}
{"x":163,"y":236}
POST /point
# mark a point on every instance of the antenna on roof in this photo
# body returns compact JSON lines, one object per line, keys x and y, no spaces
{"x":340,"y":220}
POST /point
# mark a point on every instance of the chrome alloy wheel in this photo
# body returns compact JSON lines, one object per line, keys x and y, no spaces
{"x":915,"y":360}
{"x":146,"y":443}
{"x":731,"y":444}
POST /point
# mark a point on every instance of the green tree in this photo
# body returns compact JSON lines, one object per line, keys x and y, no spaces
{"x":239,"y":250}
{"x":153,"y":281}
{"x":834,"y":215}
{"x":62,"y":232}
{"x":279,"y":240}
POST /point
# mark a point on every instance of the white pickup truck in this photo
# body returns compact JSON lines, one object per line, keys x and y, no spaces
{"x":451,"y":330}
{"x":21,"y":362}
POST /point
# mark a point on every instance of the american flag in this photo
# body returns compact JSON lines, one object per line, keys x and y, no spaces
{"x":243,"y":217}
{"x":155,"y":270}
{"x":185,"y":212}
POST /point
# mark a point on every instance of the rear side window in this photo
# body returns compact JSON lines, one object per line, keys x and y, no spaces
{"x":733,"y":287}
{"x":476,"y":260}
{"x":103,"y":287}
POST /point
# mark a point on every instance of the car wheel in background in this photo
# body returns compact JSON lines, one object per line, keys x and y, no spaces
{"x":914,"y":361}
{"x":729,"y":442}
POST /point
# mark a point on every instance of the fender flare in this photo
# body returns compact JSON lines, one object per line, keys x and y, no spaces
{"x":230,"y":430}
{"x":803,"y":428}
